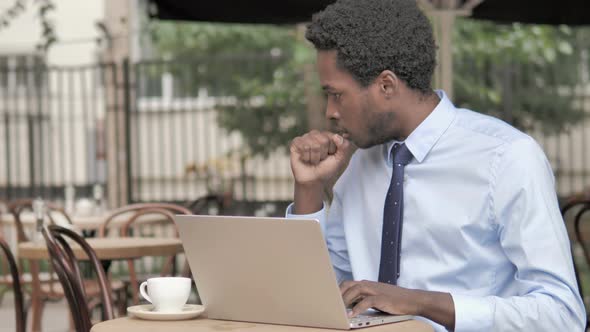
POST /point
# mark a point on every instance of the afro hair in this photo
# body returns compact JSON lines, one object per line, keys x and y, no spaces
{"x":371,"y":36}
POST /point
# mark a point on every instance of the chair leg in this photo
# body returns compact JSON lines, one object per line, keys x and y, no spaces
{"x":37,"y":314}
{"x":122,"y":300}
{"x":71,"y":324}
{"x":3,"y":291}
{"x":133,"y":282}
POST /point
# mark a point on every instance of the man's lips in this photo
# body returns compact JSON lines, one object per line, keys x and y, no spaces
{"x":340,"y":132}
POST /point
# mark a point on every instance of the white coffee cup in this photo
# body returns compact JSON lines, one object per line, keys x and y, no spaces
{"x":167,"y":294}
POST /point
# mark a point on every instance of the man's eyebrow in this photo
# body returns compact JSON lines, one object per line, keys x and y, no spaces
{"x":327,"y":87}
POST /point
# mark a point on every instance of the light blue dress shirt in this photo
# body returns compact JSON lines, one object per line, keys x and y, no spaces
{"x":481,"y":221}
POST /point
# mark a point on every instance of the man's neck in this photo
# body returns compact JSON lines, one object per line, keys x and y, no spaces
{"x":417,"y":109}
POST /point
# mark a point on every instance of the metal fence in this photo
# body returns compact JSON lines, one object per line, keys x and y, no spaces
{"x":52,"y":129}
{"x":59,"y":127}
{"x":65,"y":126}
{"x":179,"y":149}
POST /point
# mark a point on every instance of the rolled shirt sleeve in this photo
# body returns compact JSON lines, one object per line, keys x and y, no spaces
{"x":533,"y":236}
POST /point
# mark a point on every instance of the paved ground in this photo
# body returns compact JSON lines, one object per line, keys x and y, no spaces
{"x":55,"y":317}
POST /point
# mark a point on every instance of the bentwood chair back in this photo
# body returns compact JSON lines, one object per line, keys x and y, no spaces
{"x":578,"y":208}
{"x":19,"y":307}
{"x":65,"y":264}
{"x":133,"y":227}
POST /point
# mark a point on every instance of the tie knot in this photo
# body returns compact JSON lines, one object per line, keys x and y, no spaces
{"x":401,"y":154}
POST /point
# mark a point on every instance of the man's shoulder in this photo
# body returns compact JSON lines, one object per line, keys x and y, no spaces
{"x":487,"y":126}
{"x":509,"y":141}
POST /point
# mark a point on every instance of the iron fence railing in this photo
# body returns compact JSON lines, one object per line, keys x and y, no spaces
{"x":52,"y":129}
{"x":179,"y":149}
{"x":59,"y":127}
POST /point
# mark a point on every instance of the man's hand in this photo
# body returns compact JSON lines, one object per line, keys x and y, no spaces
{"x":317,"y":160}
{"x":319,"y":156}
{"x":369,"y":294}
{"x":437,"y":306}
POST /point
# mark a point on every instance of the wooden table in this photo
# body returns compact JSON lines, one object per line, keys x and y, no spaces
{"x":128,"y":324}
{"x":105,"y":248}
{"x":110,"y":248}
{"x":82,"y":222}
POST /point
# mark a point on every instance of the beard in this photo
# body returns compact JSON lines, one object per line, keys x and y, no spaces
{"x":378,"y":130}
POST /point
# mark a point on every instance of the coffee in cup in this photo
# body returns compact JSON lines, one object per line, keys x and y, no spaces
{"x":167,"y":294}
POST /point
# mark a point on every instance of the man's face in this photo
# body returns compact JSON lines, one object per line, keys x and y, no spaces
{"x":357,"y":113}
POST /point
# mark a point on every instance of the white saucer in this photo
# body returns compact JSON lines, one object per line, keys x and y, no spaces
{"x":146,"y":311}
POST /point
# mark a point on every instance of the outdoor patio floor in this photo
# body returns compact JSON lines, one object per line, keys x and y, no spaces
{"x":55,"y":316}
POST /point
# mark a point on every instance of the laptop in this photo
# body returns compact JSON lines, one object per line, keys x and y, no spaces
{"x":267,"y":270}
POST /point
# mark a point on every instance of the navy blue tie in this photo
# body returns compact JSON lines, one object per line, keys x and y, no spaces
{"x":392,"y":217}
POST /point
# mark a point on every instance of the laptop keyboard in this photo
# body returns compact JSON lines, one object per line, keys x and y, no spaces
{"x":362,"y":319}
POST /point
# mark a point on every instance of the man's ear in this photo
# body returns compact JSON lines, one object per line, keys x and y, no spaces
{"x":388,"y":83}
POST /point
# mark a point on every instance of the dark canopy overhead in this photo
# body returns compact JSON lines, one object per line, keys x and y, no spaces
{"x":239,"y":11}
{"x":571,"y":12}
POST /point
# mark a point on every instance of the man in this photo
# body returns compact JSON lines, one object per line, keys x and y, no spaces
{"x":483,"y":246}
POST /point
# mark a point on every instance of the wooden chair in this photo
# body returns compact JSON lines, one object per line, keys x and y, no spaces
{"x":18,"y":207}
{"x":221,"y":204}
{"x":67,"y":268}
{"x":19,"y":308}
{"x":580,"y":206}
{"x":132,"y":216}
{"x":5,"y":275}
{"x":50,"y":287}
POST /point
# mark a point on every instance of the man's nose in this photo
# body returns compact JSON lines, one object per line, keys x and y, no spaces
{"x":331,"y":111}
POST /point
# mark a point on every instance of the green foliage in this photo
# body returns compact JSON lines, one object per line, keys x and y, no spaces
{"x":257,"y":67}
{"x":270,"y":122}
{"x":525,"y":74}
{"x":189,"y":39}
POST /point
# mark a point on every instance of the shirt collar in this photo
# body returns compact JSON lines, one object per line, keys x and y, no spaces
{"x":425,"y":136}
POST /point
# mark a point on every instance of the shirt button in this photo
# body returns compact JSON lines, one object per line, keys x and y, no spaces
{"x":405,"y":177}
